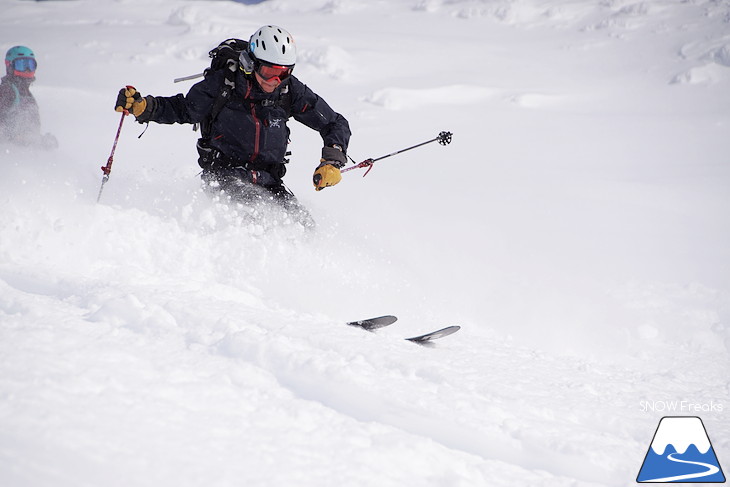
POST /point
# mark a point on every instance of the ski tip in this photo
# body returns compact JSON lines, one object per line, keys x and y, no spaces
{"x":373,"y":323}
{"x":434,"y":335}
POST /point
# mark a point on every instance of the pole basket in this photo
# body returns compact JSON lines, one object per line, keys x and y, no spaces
{"x":444,"y":138}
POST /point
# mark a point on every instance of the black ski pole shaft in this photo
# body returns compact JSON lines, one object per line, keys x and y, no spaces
{"x":107,"y":169}
{"x":409,"y":148}
{"x":444,"y":138}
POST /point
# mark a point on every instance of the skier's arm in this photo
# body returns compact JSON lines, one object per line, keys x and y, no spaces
{"x":311,"y":110}
{"x":190,"y":108}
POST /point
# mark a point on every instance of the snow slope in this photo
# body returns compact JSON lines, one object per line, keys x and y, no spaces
{"x":576,"y":228}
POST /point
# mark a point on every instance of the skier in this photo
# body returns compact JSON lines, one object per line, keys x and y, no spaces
{"x":20,"y":121}
{"x":244,"y":134}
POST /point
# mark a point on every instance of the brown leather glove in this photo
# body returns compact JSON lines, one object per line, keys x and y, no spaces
{"x":129,"y":100}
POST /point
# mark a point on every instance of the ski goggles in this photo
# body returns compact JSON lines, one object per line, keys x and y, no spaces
{"x":271,"y":71}
{"x":25,"y":64}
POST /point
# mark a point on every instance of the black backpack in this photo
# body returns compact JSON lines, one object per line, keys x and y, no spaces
{"x":231,"y":51}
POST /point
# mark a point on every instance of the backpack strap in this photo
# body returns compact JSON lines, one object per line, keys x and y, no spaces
{"x":283,"y":101}
{"x":229,"y":84}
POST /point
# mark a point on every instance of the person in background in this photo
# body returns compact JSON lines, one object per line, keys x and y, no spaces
{"x":20,"y":121}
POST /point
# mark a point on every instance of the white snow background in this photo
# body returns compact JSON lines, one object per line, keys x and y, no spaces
{"x":576,"y":228}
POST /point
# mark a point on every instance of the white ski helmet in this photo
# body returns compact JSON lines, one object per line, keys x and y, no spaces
{"x":273,"y":45}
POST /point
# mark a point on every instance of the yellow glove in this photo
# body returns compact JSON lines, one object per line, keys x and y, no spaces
{"x":131,"y":101}
{"x":326,"y":175}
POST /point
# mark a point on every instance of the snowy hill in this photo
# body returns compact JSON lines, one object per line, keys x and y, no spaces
{"x":576,"y":228}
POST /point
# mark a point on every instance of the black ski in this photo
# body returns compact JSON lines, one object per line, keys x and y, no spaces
{"x":374,"y":323}
{"x":434,"y":335}
{"x":371,"y":324}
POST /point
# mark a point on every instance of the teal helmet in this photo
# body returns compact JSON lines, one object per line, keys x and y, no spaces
{"x":20,"y":61}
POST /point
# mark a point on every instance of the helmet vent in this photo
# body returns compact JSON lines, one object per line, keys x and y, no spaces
{"x":274,"y":45}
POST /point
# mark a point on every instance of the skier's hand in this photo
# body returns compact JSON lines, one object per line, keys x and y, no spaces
{"x":328,"y":172}
{"x":326,"y":175}
{"x":129,"y":100}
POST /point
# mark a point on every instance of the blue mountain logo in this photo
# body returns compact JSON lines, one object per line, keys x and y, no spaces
{"x":681,"y":452}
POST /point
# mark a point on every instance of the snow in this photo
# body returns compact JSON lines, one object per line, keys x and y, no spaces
{"x":576,"y":228}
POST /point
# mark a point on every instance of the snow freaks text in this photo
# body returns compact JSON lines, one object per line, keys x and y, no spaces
{"x":681,"y":407}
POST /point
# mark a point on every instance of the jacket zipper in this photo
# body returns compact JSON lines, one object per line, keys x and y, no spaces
{"x":256,"y":121}
{"x":257,"y":138}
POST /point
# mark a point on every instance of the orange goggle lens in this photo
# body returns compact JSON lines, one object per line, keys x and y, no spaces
{"x":267,"y":72}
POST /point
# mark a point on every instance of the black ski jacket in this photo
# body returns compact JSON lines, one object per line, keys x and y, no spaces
{"x":251,"y":127}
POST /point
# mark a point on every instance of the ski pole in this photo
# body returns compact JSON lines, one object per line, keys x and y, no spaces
{"x":108,"y":168}
{"x":186,"y":78}
{"x":444,"y":138}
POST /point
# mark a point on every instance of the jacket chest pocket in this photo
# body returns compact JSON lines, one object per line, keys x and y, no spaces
{"x":276,"y":133}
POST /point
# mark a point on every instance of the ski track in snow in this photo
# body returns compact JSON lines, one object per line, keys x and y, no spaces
{"x":575,"y":229}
